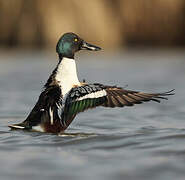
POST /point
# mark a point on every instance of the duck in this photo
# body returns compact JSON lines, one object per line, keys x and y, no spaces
{"x":64,"y":96}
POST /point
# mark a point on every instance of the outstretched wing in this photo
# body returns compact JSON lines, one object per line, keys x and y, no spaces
{"x":91,"y":95}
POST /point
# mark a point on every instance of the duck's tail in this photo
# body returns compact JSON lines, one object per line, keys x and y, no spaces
{"x":17,"y":126}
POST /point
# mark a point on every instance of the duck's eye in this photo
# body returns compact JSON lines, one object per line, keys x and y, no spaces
{"x":75,"y":39}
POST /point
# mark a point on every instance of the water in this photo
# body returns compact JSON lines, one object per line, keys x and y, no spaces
{"x":142,"y":142}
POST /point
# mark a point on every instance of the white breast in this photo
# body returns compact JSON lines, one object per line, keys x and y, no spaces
{"x":66,"y":75}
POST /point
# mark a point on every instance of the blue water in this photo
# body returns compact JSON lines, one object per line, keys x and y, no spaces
{"x":146,"y":141}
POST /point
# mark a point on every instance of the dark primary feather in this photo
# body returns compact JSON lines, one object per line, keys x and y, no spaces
{"x":118,"y":97}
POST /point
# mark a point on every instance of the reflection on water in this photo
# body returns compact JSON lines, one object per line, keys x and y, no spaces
{"x":142,"y":142}
{"x":77,"y":134}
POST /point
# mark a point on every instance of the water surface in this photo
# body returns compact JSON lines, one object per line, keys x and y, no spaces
{"x":142,"y":142}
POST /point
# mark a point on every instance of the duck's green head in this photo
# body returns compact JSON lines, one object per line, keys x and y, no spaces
{"x":70,"y":43}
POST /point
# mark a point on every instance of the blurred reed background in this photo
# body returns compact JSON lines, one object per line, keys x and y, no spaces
{"x":109,"y":23}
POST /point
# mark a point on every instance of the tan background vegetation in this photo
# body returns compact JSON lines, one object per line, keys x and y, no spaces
{"x":110,"y":23}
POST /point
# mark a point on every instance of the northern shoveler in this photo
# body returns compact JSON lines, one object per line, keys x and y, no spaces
{"x":64,"y":96}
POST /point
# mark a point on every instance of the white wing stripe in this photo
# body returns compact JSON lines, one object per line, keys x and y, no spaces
{"x":93,"y":95}
{"x":51,"y":115}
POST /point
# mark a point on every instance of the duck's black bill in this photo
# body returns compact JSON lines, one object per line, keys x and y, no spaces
{"x":90,"y":47}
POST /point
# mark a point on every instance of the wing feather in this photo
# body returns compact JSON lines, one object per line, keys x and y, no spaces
{"x":84,"y":97}
{"x":129,"y":98}
{"x":92,"y":95}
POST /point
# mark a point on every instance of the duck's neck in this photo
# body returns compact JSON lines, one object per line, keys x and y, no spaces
{"x":66,"y":74}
